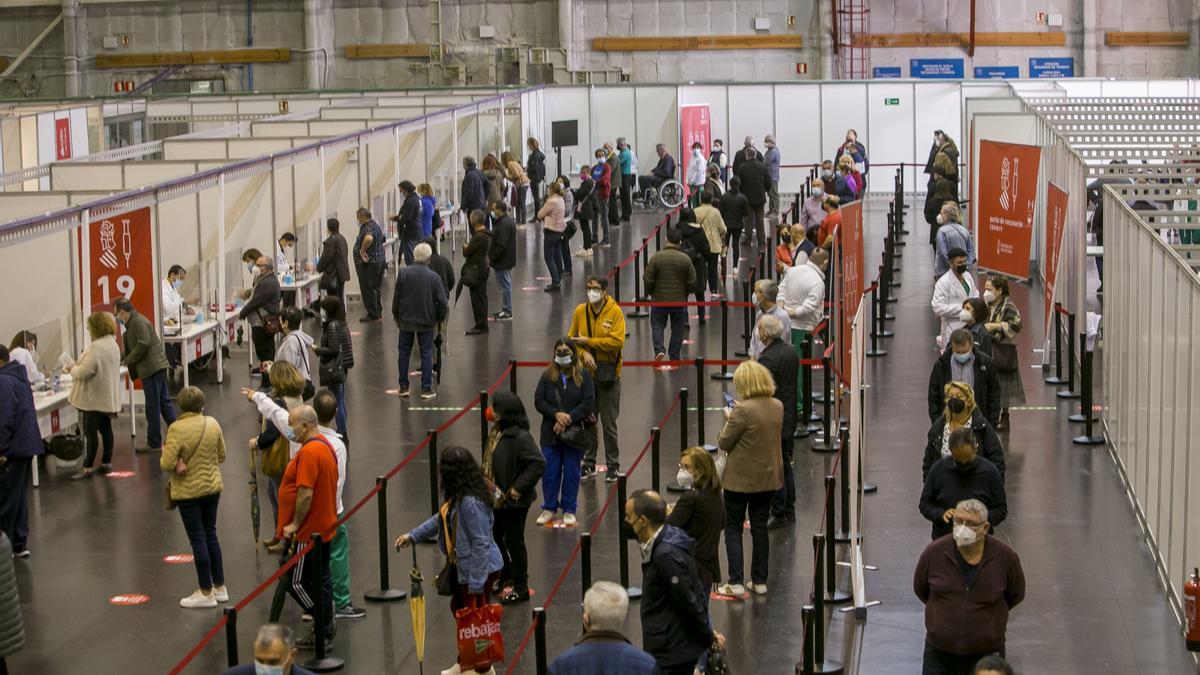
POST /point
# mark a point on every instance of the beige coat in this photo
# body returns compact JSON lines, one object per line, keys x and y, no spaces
{"x":96,"y":377}
{"x":714,"y":227}
{"x":752,"y":438}
{"x":203,"y":456}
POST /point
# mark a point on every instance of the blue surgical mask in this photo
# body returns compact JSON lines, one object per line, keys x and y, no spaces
{"x":177,"y":284}
{"x":250,"y":267}
{"x":963,"y":358}
{"x":290,"y":434}
{"x":261,"y":668}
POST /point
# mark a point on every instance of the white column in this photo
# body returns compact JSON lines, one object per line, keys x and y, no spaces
{"x":74,"y":46}
{"x":503,"y":146}
{"x":85,"y":276}
{"x":221,"y":313}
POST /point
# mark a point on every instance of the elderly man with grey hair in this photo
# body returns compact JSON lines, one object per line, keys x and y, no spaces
{"x":419,"y":302}
{"x":966,"y":579}
{"x":766,"y":296}
{"x":274,"y":652}
{"x":262,"y":303}
{"x":603,"y":647}
{"x":778,"y":357}
{"x":771,"y":159}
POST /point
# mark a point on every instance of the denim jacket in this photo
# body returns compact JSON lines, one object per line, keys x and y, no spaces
{"x":474,"y":547}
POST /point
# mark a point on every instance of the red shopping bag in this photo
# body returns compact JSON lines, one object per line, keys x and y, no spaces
{"x":480,"y":643}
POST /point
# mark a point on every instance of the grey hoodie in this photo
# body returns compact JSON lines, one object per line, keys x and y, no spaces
{"x":296,"y":349}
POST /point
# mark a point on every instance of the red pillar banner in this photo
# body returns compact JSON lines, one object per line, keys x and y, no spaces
{"x":1006,"y":192}
{"x":695,"y":126}
{"x":850,"y":283}
{"x":62,"y":138}
{"x":121,"y":262}
{"x":1056,"y":221}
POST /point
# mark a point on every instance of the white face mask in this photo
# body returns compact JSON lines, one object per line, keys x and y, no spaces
{"x":941,"y":220}
{"x":989,"y":297}
{"x":684,"y":478}
{"x":264,"y":669}
{"x":817,"y":192}
{"x":964,"y":536}
{"x":965,"y":315}
{"x":563,"y":360}
{"x":594,"y":296}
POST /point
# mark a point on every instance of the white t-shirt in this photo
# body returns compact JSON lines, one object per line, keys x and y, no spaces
{"x":339,"y":451}
{"x":25,"y":358}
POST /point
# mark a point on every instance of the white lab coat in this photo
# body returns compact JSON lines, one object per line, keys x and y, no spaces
{"x":172,"y":301}
{"x":25,"y":358}
{"x":281,"y":259}
{"x":802,"y":296}
{"x":948,"y":297}
{"x":697,"y":168}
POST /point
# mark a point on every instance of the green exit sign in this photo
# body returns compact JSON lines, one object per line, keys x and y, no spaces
{"x":891,"y":101}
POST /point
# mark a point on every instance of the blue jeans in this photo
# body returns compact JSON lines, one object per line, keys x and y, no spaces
{"x":562,"y":473}
{"x":158,"y":403}
{"x":504,"y":281}
{"x":425,"y":342}
{"x":557,"y":255}
{"x":339,"y":390}
{"x":200,"y":521}
{"x":658,"y":323}
{"x":406,"y":249}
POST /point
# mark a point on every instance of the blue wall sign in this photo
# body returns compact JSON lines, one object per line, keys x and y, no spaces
{"x":886,"y":72}
{"x":1059,"y":66}
{"x":998,"y":72}
{"x":936,"y":69}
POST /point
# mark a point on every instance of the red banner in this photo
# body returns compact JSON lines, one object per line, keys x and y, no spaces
{"x":694,"y":127}
{"x":121,"y":261}
{"x":850,"y":283}
{"x":1056,"y":221}
{"x":1006,"y":192}
{"x":62,"y":138}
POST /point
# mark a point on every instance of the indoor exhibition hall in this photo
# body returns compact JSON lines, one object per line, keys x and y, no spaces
{"x":592,"y":337}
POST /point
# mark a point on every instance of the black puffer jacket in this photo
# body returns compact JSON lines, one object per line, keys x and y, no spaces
{"x":987,"y":443}
{"x":517,"y":463}
{"x":12,"y":631}
{"x":755,"y":181}
{"x":502,"y":254}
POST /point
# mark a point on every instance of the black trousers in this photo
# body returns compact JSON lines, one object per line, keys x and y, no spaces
{"x":938,"y":662}
{"x":14,"y":500}
{"x":627,"y":181}
{"x":737,"y":504}
{"x":479,"y":305}
{"x":536,"y":187}
{"x":508,"y":530}
{"x":612,"y":205}
{"x":97,"y":429}
{"x":370,"y":278}
{"x":302,"y":586}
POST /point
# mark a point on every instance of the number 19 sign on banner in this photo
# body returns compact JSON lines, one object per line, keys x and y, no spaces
{"x":1006,"y":192}
{"x":122,"y":261}
{"x":1056,"y":221}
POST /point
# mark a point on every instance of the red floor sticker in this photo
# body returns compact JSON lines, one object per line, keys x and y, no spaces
{"x":355,"y":333}
{"x":665,"y":368}
{"x":129,"y":599}
{"x":559,"y":525}
{"x":541,"y":278}
{"x":530,"y":288}
{"x":120,"y":474}
{"x":718,"y":596}
{"x":178,"y":559}
{"x":391,"y":392}
{"x":686,"y":341}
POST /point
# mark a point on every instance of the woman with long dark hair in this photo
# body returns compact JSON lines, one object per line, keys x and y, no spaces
{"x":513,"y":465}
{"x":463,"y":530}
{"x":566,"y":398}
{"x":337,"y":356}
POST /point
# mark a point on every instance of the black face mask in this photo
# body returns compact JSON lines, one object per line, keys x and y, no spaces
{"x":960,"y":269}
{"x":956,"y":405}
{"x":627,"y":531}
{"x":785,"y":237}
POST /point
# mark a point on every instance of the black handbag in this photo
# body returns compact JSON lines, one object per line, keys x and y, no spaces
{"x":1004,"y":357}
{"x":571,"y":230}
{"x":580,"y":435}
{"x":447,"y":577}
{"x":469,"y":274}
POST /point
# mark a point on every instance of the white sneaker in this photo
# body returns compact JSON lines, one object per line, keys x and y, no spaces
{"x":757,"y":589}
{"x":737,"y":590}
{"x":453,"y":670}
{"x":545,"y":517}
{"x":198,"y":600}
{"x":221,"y":593}
{"x":569,"y":519}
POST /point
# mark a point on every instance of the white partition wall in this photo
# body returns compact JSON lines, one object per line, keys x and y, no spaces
{"x":657,"y":110}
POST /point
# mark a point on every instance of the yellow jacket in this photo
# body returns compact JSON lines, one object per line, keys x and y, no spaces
{"x":607,"y":331}
{"x":202,"y":456}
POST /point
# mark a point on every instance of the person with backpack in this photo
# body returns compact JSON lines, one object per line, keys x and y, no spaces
{"x":695,"y":245}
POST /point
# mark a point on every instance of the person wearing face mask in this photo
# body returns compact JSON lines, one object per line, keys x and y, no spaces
{"x":951,"y":234}
{"x":811,"y":213}
{"x":942,"y":189}
{"x":143,"y":354}
{"x":502,"y":257}
{"x":756,"y":182}
{"x":735,"y":212}
{"x":802,"y":295}
{"x":566,"y":398}
{"x":174,"y":306}
{"x":783,"y":251}
{"x":945,"y":146}
{"x":835,"y":183}
{"x":585,"y":210}
{"x":964,"y":362}
{"x":695,"y":174}
{"x":96,"y":392}
{"x":261,"y":308}
{"x":676,"y":629}
{"x":274,"y":653}
{"x":598,"y":330}
{"x":961,"y":475}
{"x":856,"y":152}
{"x":739,"y":157}
{"x":23,"y":350}
{"x":712,"y":182}
{"x":602,"y":176}
{"x":852,"y":180}
{"x":700,"y":511}
{"x":284,"y":246}
{"x":765,"y":297}
{"x":512,"y":465}
{"x":710,"y":220}
{"x":960,"y":412}
{"x":771,"y":159}
{"x":334,"y":262}
{"x":779,"y":358}
{"x":720,"y":159}
{"x":274,"y":441}
{"x":969,"y":582}
{"x":975,"y":313}
{"x":603,"y":648}
{"x":668,"y":277}
{"x":1003,"y":324}
{"x":336,"y":354}
{"x":952,"y":288}
{"x":20,"y":446}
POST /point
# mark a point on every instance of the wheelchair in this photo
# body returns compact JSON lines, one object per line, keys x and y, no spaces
{"x":668,"y":195}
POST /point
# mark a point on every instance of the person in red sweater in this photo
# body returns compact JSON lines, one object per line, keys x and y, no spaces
{"x":969,"y":582}
{"x":602,"y":174}
{"x":308,"y":506}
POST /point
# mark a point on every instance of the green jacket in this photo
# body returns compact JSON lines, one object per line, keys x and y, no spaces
{"x":143,"y":353}
{"x":669,"y":275}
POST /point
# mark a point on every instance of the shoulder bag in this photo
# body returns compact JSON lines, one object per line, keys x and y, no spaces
{"x":606,"y":371}
{"x":448,"y":575}
{"x":580,"y":435}
{"x":309,"y":389}
{"x":271,"y":322}
{"x":181,"y":468}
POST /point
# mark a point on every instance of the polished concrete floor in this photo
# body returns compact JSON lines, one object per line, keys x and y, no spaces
{"x":1093,"y":601}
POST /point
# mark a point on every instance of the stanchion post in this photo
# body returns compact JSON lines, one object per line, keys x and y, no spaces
{"x":1086,"y":402}
{"x":483,"y":423}
{"x":320,"y":662}
{"x":585,"y":562}
{"x":724,"y":374}
{"x":826,"y":442}
{"x":747,"y":320}
{"x":1057,"y":377}
{"x":806,"y":620}
{"x":385,"y":592}
{"x":1070,"y":392}
{"x":818,"y":598}
{"x":658,"y":237}
{"x":832,"y":594}
{"x":874,"y":350}
{"x":638,"y":291}
{"x":616,"y":272}
{"x":843,"y":536}
{"x":231,"y":646}
{"x":655,"y":459}
{"x":683,"y":421}
{"x":434,"y":493}
{"x":807,"y":414}
{"x":512,"y":375}
{"x":645,"y":258}
{"x":699,"y":401}
{"x":539,"y":640}
{"x":623,"y":544}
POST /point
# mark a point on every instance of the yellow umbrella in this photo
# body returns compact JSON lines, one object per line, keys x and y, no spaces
{"x":416,"y":607}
